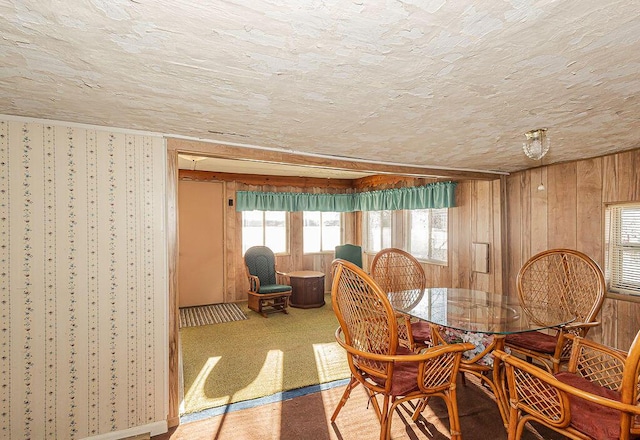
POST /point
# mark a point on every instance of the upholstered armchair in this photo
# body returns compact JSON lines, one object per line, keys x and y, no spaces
{"x":268,"y":291}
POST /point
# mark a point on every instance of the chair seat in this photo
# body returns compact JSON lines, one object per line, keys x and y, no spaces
{"x":421,"y":332}
{"x":274,"y":288}
{"x":405,"y":375}
{"x":595,"y":420}
{"x":534,"y":341}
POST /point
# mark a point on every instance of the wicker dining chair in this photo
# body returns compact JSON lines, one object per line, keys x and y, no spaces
{"x":553,"y":285}
{"x":400,"y":275}
{"x":369,"y":333}
{"x":596,"y":398}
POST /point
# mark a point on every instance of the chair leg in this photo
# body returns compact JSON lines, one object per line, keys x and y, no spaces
{"x":422,"y":404}
{"x":386,"y":413}
{"x":454,"y":417}
{"x":345,"y":396}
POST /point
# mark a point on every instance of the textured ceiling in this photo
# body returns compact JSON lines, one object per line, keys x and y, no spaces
{"x":433,"y":83}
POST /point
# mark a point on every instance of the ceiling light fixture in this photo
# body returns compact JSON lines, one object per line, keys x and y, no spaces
{"x":535,"y":147}
{"x":537,"y":143}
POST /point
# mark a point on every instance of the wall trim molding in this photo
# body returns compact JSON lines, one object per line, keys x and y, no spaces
{"x":155,"y":428}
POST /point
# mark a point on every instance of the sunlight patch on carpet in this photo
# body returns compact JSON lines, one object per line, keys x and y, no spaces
{"x":330,"y":362}
{"x":210,"y":314}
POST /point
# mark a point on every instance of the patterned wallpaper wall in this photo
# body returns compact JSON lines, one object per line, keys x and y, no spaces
{"x":83,"y":285}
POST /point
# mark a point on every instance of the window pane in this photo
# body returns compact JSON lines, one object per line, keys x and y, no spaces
{"x":321,"y":231}
{"x":386,"y":229}
{"x":311,"y":232}
{"x":264,"y":228}
{"x":374,"y":229}
{"x":418,"y":245}
{"x":439,"y":234}
{"x":331,"y":230}
{"x":622,"y":264}
{"x":428,"y":234}
{"x":275,"y":231}
{"x":252,"y":233}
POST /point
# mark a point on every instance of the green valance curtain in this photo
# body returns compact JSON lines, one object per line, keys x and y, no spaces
{"x":434,"y":195}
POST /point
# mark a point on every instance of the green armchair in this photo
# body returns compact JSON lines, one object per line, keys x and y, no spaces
{"x":351,"y":253}
{"x":268,"y":292}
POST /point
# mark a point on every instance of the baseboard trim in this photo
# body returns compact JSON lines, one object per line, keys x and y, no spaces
{"x":155,"y":428}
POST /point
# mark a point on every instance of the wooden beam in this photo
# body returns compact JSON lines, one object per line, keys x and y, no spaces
{"x":285,"y":158}
{"x":256,"y":179}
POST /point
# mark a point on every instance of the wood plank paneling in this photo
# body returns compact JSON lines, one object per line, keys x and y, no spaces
{"x":562,"y":205}
{"x":514,"y":232}
{"x":589,"y":212}
{"x":570,"y":213}
{"x":538,"y":213}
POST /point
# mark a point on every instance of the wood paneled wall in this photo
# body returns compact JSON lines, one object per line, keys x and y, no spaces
{"x":475,"y":219}
{"x":570,"y":213}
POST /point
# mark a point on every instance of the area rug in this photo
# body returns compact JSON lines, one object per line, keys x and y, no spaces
{"x":210,"y":314}
{"x":243,"y":360}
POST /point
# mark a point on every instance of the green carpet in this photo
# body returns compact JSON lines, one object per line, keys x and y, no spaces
{"x":236,"y":361}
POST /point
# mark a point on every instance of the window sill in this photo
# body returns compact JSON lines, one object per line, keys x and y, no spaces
{"x":623,"y":297}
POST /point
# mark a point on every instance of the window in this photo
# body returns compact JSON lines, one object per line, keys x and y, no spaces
{"x":265,"y":228}
{"x":427,"y":234}
{"x":378,"y":227}
{"x":321,"y":231}
{"x":622,"y":262}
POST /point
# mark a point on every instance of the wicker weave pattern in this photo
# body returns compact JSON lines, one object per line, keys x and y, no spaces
{"x":400,"y":275}
{"x":537,"y":395}
{"x":368,"y":332}
{"x":396,"y":271}
{"x":602,"y":366}
{"x":560,"y":284}
{"x":366,"y":321}
{"x":438,"y":372}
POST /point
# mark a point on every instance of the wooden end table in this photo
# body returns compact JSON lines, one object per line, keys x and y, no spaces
{"x":307,"y":289}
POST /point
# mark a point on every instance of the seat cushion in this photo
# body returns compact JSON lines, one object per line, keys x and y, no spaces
{"x":405,"y":375}
{"x":421,"y":332}
{"x":535,"y":341}
{"x":595,"y":420}
{"x":274,"y":288}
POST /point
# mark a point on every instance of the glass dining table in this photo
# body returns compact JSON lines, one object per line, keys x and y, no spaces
{"x":482,"y":318}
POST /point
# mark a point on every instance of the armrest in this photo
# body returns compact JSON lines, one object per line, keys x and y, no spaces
{"x":282,"y":277}
{"x":572,"y":326}
{"x":536,"y":388}
{"x":254,"y":283}
{"x":596,"y":362}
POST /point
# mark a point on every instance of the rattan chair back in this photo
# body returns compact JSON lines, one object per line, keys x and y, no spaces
{"x":561,"y":283}
{"x":369,"y":333}
{"x":398,"y":271}
{"x":600,"y":386}
{"x":365,"y":316}
{"x":401,"y":276}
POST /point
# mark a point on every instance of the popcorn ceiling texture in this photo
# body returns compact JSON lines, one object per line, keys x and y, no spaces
{"x":433,"y":83}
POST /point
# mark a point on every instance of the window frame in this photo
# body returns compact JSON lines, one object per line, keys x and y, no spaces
{"x":366,"y":227}
{"x":407,"y":236}
{"x":264,"y":234}
{"x":615,"y":248}
{"x":321,"y":251}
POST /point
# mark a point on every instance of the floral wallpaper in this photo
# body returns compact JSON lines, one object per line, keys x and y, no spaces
{"x":83,"y":284}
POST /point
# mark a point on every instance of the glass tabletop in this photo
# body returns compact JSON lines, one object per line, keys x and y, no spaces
{"x":471,"y":310}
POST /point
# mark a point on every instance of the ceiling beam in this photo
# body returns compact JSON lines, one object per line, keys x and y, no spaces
{"x":223,"y":151}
